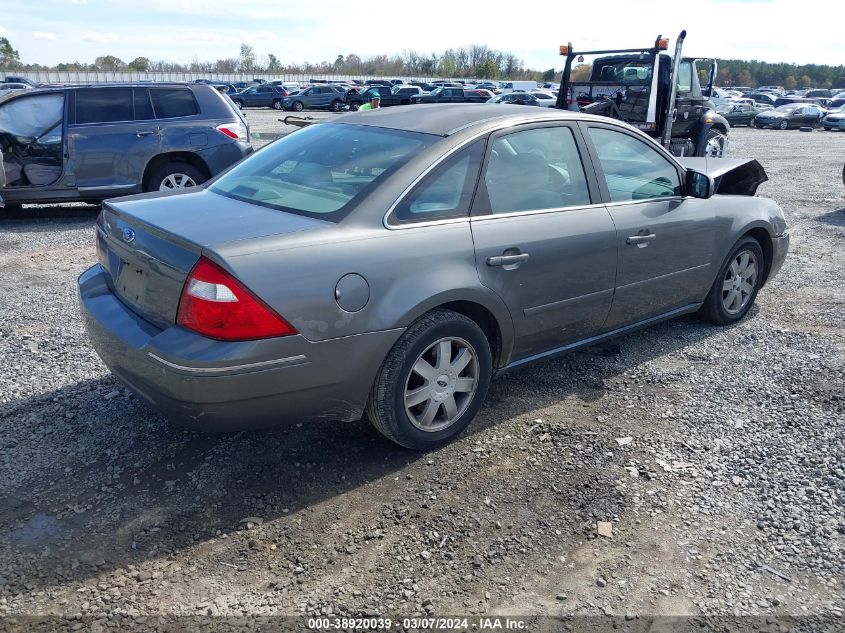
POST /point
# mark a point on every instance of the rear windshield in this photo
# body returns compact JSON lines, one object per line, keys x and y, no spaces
{"x":322,"y":170}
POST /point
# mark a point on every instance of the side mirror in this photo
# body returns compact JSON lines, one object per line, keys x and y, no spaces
{"x":699,"y":185}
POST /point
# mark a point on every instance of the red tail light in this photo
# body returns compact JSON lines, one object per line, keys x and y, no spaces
{"x":236,"y":131}
{"x":216,"y":305}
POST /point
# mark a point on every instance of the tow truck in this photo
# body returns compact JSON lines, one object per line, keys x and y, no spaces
{"x":653,"y":90}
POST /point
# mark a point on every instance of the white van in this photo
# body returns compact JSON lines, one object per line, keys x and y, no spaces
{"x":290,"y":86}
{"x":519,"y":86}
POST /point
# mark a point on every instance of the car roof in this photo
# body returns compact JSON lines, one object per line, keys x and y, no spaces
{"x":123,"y":84}
{"x":448,"y":119}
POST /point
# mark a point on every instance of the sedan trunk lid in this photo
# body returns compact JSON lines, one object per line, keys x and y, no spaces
{"x":148,"y":244}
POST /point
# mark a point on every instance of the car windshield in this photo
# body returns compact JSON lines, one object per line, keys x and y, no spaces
{"x":788,"y":108}
{"x":321,"y":170}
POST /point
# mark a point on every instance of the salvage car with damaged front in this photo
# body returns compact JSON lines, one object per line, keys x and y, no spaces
{"x":393,"y":262}
{"x":91,"y":142}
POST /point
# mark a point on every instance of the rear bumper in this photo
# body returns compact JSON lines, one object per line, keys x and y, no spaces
{"x":221,"y":157}
{"x":230,"y":386}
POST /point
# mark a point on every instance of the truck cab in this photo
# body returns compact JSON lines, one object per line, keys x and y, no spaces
{"x":653,"y":90}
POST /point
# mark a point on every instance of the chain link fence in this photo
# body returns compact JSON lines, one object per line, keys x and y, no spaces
{"x":102,"y":76}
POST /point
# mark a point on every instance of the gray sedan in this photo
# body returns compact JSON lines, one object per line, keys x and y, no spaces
{"x":393,"y":262}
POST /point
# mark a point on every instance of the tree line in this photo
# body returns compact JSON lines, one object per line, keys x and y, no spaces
{"x":740,"y":72}
{"x":476,"y":61}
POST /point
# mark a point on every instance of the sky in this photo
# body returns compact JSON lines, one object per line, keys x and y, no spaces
{"x":52,"y":31}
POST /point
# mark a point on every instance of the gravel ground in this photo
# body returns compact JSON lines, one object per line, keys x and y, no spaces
{"x":714,"y":459}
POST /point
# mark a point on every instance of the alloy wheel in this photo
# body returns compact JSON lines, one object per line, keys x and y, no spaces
{"x":441,"y":384}
{"x":715,"y":146}
{"x":176,"y":181}
{"x":739,"y":282}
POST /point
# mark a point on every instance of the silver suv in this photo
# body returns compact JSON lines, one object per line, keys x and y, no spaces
{"x":92,"y":142}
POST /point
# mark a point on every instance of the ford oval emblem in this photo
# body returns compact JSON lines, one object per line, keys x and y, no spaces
{"x":128,"y":235}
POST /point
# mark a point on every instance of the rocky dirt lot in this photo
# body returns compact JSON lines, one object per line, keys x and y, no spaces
{"x":715,"y":456}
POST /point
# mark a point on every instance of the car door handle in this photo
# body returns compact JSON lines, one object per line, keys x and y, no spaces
{"x":641,"y":239}
{"x":507,"y":260}
{"x":142,"y":133}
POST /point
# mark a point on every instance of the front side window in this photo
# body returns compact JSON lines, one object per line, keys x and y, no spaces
{"x":104,"y":105}
{"x":322,"y":170}
{"x":32,"y":116}
{"x":535,"y":170}
{"x":447,"y":191}
{"x":632,"y":169}
{"x":170,"y":103}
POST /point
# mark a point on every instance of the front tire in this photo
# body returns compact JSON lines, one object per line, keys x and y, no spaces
{"x":784,"y":125}
{"x":239,"y":103}
{"x":735,"y":288}
{"x":433,"y":382}
{"x":297,"y":106}
{"x":715,"y":145}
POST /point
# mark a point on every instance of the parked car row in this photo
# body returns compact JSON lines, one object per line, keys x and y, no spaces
{"x":341,"y":95}
{"x":768,"y":97}
{"x":785,"y":117}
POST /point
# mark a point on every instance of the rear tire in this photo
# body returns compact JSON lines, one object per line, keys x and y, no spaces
{"x":174,"y":175}
{"x":784,"y":125}
{"x":735,"y":288}
{"x":277,"y":104}
{"x":336,"y":105}
{"x":354,"y":107}
{"x":420,"y":412}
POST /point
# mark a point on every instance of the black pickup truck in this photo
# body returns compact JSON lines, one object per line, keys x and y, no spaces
{"x":355,"y":99}
{"x":450,"y":95}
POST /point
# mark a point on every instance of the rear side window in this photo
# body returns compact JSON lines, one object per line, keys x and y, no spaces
{"x":534,"y":170}
{"x":104,"y":105}
{"x":173,"y":102}
{"x":446,"y":192}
